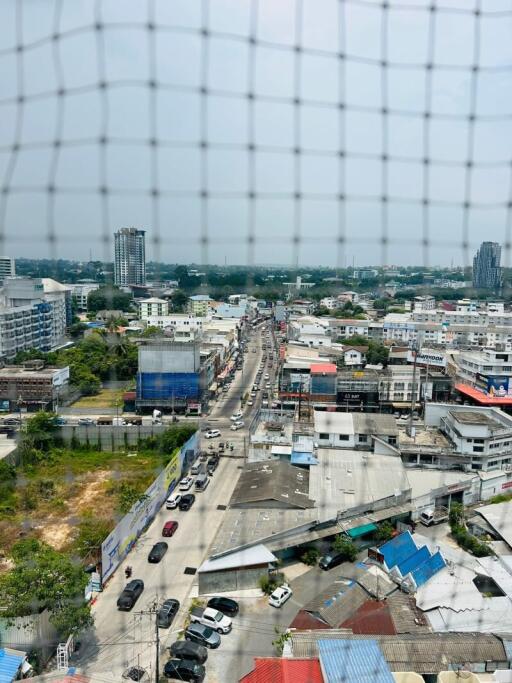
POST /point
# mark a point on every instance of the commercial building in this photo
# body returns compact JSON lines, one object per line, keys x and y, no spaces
{"x":153,"y":307}
{"x":32,"y":387}
{"x":487,"y":271}
{"x":354,"y":430}
{"x":80,"y":293}
{"x":59,"y":296}
{"x":199,"y":305}
{"x":169,"y":376}
{"x":129,"y":257}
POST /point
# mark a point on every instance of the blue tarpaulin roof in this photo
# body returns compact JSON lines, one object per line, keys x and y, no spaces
{"x":398,"y":549}
{"x":428,"y":569}
{"x":9,"y":665}
{"x":414,"y":561}
{"x":353,"y":661}
{"x":301,"y":458}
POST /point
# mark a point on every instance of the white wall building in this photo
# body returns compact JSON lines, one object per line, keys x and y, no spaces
{"x":353,"y":430}
{"x":153,"y":307}
{"x":80,"y":293}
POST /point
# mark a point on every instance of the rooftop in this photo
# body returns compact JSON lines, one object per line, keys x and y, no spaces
{"x":353,"y":661}
{"x":276,"y":481}
{"x":279,"y":670}
{"x":346,"y":478}
{"x":473,"y":417}
{"x":427,"y":653}
{"x":323,"y":369}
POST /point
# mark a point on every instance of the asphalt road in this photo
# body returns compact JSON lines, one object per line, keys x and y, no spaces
{"x":122,"y":639}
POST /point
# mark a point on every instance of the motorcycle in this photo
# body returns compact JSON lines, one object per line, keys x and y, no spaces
{"x":128,"y":572}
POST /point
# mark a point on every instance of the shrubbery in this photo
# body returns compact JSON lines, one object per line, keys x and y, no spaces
{"x":310,"y":557}
{"x":268,"y":584}
{"x":462,"y":536}
{"x":346,"y":547}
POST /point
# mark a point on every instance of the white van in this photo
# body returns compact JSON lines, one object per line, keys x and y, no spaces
{"x":196,"y":468}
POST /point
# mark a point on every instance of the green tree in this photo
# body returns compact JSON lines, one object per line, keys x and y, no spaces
{"x":310,"y":557}
{"x":41,"y":430}
{"x":43,"y":578}
{"x":108,"y":298}
{"x":179,"y":300}
{"x":152,"y":331}
{"x":91,"y":534}
{"x":384,"y":532}
{"x":343,"y":545}
{"x":377,"y":353}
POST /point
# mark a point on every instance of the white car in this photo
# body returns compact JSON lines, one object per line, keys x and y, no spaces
{"x":212,"y":434}
{"x":237,"y":416}
{"x":186,"y":483}
{"x":173,"y":501}
{"x":280,"y":595}
{"x":237,"y":425}
{"x":250,"y":403}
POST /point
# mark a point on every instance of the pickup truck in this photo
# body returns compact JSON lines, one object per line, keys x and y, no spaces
{"x":434,"y":516}
{"x":211,"y":617}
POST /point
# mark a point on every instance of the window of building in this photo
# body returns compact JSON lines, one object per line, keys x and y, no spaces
{"x":363,"y":438}
{"x":392,"y":440}
{"x":478,"y":440}
{"x":323,"y":436}
{"x":476,"y":466}
{"x":343,"y":437}
{"x":478,"y":449}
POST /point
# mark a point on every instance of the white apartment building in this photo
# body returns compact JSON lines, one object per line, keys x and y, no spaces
{"x":485,"y":434}
{"x":424,"y":303}
{"x":153,"y":307}
{"x":396,"y":385}
{"x":80,"y":293}
{"x":330,"y":302}
{"x":33,"y":315}
{"x":487,"y":370}
{"x":7,"y":268}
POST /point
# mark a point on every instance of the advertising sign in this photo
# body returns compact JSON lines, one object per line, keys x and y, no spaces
{"x":120,"y":541}
{"x":428,"y":357}
{"x":499,"y":386}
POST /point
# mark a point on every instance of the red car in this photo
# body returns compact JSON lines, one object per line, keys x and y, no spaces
{"x":169,"y":528}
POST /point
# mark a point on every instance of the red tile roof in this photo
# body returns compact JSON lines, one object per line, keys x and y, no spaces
{"x":323,"y":368}
{"x":277,"y":670}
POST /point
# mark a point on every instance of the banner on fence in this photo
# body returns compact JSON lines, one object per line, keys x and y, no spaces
{"x":119,"y":542}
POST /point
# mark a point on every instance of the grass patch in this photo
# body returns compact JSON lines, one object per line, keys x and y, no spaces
{"x":107,"y":398}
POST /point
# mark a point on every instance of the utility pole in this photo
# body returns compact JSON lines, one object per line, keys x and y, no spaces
{"x":157,"y":653}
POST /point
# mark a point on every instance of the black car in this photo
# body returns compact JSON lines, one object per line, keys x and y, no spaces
{"x":225,"y":605}
{"x":331,"y":560}
{"x":157,"y":552}
{"x":184,"y":670}
{"x":186,"y":501}
{"x":212,"y":465}
{"x":130,"y":595}
{"x":186,"y":649}
{"x":167,"y":612}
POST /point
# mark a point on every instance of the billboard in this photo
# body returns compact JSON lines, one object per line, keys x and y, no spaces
{"x":499,"y":386}
{"x":428,"y":357}
{"x":120,"y":541}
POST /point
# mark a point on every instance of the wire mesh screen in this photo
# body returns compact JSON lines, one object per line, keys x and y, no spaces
{"x":250,"y":132}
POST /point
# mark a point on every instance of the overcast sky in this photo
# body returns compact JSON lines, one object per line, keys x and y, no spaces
{"x":283,"y":228}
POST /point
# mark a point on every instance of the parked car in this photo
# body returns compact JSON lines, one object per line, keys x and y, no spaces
{"x":331,"y":560}
{"x":184,"y":670}
{"x":169,"y":528}
{"x":186,"y":484}
{"x":212,"y":465}
{"x":85,"y":421}
{"x":157,"y":552}
{"x":172,"y":502}
{"x":212,"y":434}
{"x":250,"y":402}
{"x":187,"y":649}
{"x":187,"y":501}
{"x":211,"y":617}
{"x":280,"y":595}
{"x":204,"y":635}
{"x":225,"y":605}
{"x":167,"y":612}
{"x":60,"y":421}
{"x":130,"y":594}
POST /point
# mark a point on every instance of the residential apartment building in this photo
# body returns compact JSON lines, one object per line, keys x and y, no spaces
{"x":34,"y":313}
{"x":397,"y":386}
{"x":424,"y":303}
{"x":32,"y":386}
{"x":80,"y":293}
{"x":153,"y":307}
{"x":489,"y":370}
{"x":487,"y":271}
{"x":7,"y":268}
{"x":129,"y":257}
{"x":199,"y":305}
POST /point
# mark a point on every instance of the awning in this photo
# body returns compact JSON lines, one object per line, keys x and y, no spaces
{"x":281,"y":450}
{"x":361,"y":530}
{"x":482,"y":398}
{"x":403,"y":404}
{"x":303,"y":458}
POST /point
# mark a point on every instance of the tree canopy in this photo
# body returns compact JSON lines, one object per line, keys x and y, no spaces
{"x":108,"y":297}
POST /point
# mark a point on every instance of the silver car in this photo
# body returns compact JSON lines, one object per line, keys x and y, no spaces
{"x":203,"y":635}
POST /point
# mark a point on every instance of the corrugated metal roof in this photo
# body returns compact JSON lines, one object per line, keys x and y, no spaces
{"x":248,"y":557}
{"x":299,"y":458}
{"x":361,"y":530}
{"x":278,"y":670}
{"x":398,"y":549}
{"x":372,"y":618}
{"x":420,"y":652}
{"x":427,"y":570}
{"x":343,"y":605}
{"x":414,"y":561}
{"x":10,"y":662}
{"x":323,"y":368}
{"x":353,"y":661}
